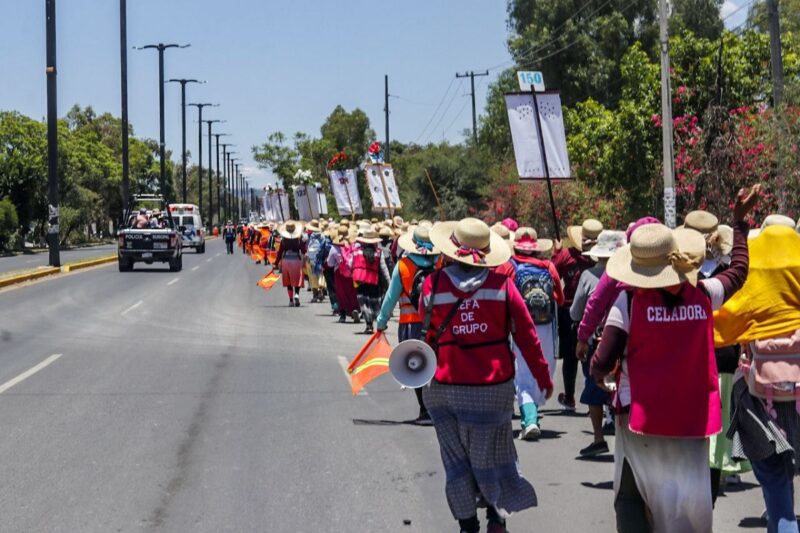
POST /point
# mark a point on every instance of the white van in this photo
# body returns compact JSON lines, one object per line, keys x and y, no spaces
{"x":190,"y":224}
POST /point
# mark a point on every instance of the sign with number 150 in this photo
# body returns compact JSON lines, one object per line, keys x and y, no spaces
{"x":528,"y":79}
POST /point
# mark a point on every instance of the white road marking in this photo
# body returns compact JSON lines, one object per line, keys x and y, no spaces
{"x":28,"y":373}
{"x":195,"y":268}
{"x":219,"y":254}
{"x":209,"y":259}
{"x":131,"y":308}
{"x":344,"y":363}
{"x":173,"y":281}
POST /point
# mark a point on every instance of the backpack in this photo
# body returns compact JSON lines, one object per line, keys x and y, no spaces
{"x":314,"y":246}
{"x":416,"y":284}
{"x":773,"y":371}
{"x":537,"y":287}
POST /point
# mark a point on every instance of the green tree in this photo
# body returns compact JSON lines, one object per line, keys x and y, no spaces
{"x":9,"y":222}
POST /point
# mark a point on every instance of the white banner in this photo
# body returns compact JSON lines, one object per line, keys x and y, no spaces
{"x":345,"y":190}
{"x":276,"y":206}
{"x":305,"y":200}
{"x":322,"y":201}
{"x":381,"y":182}
{"x":525,"y":135}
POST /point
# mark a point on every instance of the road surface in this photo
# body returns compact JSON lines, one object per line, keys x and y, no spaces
{"x":22,"y":262}
{"x":194,"y":401}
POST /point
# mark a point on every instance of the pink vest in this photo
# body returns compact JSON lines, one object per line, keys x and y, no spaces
{"x":344,"y":265}
{"x":474,"y":349}
{"x":364,"y":271}
{"x":671,"y":366}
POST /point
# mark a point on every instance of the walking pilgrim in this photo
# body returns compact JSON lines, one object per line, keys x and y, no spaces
{"x":369,"y":268}
{"x":471,"y":312}
{"x":290,"y":258}
{"x":668,"y":392}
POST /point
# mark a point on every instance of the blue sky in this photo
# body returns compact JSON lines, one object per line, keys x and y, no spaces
{"x":271,"y":64}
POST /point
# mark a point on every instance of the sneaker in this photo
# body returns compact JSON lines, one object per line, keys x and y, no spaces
{"x":355,"y":316}
{"x":595,"y":448}
{"x":291,"y":302}
{"x":733,"y":479}
{"x":609,"y":429}
{"x":297,"y":301}
{"x":496,"y":527}
{"x":531,"y":432}
{"x":424,"y":419}
{"x":342,"y":319}
{"x":567,"y":404}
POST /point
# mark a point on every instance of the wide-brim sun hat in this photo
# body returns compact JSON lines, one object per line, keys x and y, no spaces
{"x":418,"y":242}
{"x":701,"y":221}
{"x":527,"y":241}
{"x":313,"y":227}
{"x":589,"y":231}
{"x":724,"y":239}
{"x":291,"y":230}
{"x":471,"y":242}
{"x":369,"y":236}
{"x":658,"y":257}
{"x":608,"y":242}
{"x":385,"y":232}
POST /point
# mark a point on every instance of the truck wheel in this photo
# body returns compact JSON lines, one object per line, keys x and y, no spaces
{"x":176,"y":264}
{"x":124,"y":265}
{"x":201,"y":249}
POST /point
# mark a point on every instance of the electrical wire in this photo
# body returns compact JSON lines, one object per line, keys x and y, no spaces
{"x":446,"y":109}
{"x":435,"y":111}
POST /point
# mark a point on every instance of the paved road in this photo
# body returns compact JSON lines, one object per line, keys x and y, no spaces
{"x":28,"y":261}
{"x":192,"y":402}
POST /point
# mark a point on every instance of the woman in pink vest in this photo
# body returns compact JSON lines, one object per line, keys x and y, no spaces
{"x":338,"y":261}
{"x":470,"y":313}
{"x":668,"y":393}
{"x":290,"y":259}
{"x":369,"y":267}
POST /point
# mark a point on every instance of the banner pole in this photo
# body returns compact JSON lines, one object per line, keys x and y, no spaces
{"x":544,"y":163}
{"x":280,"y":205}
{"x":435,"y":196}
{"x":385,"y":191}
{"x":308,"y":200}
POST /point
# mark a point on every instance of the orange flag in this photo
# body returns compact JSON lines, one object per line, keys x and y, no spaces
{"x":269,"y":280}
{"x":272,"y":256}
{"x":370,"y":362}
{"x":257,"y":254}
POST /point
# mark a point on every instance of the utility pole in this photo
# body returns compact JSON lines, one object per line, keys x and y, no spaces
{"x":775,"y":57}
{"x":471,"y":75}
{"x":210,"y":175}
{"x":666,"y":119}
{"x":232,"y":180}
{"x":200,"y":152}
{"x":226,"y":174}
{"x":183,"y":82}
{"x":386,"y":110}
{"x":162,"y":150}
{"x":123,"y":62}
{"x":52,"y":135}
{"x":240,"y":188}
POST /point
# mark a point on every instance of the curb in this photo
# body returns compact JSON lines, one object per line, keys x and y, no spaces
{"x":89,"y":263}
{"x":20,"y":278}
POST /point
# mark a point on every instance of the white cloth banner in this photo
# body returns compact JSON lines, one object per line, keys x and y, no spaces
{"x":322,"y":201}
{"x":525,"y":135}
{"x":377,"y":177}
{"x":345,"y":190}
{"x":305,"y":200}
{"x":276,"y":207}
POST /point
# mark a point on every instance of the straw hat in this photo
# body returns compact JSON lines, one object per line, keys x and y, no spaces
{"x":471,"y":242}
{"x":339,"y":237}
{"x":385,"y":232}
{"x":313,"y":226}
{"x":608,"y":242}
{"x":701,"y":221}
{"x":771,"y":220}
{"x":588,"y":231}
{"x":723,"y":239}
{"x":659,"y":257}
{"x":501,"y":230}
{"x":369,"y":236}
{"x":414,"y":242}
{"x":527,"y":242}
{"x":291,"y":230}
{"x":426,"y":223}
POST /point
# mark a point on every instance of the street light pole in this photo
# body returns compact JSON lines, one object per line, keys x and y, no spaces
{"x":226,"y":174}
{"x":200,"y":152}
{"x":239,"y":186}
{"x":162,"y":150}
{"x":211,"y":175}
{"x":234,"y":188}
{"x":52,"y":135}
{"x":123,"y":62}
{"x":219,"y":180}
{"x":183,"y":82}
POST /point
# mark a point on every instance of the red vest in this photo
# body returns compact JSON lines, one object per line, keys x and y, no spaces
{"x":364,"y":271}
{"x":671,"y":366}
{"x":474,"y":348}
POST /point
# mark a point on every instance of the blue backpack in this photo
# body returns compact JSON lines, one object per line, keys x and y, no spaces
{"x":537,"y":288}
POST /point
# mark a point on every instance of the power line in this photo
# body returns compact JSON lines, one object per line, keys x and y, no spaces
{"x":460,"y":112}
{"x":435,"y":111}
{"x":447,"y":108}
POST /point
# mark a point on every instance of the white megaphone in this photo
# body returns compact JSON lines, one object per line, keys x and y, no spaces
{"x":412,"y":363}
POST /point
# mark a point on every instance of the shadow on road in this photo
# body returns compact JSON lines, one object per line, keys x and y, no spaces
{"x":603,"y":485}
{"x":365,"y":422}
{"x":546,"y":434}
{"x":607,"y":458}
{"x":753,"y":522}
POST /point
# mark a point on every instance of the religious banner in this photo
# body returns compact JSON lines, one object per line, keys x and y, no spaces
{"x":276,"y":205}
{"x":305,"y":200}
{"x":380,"y":179}
{"x":345,"y":190}
{"x":529,"y":138}
{"x":322,"y":201}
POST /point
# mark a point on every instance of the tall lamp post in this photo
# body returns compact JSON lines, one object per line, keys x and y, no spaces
{"x":232,"y":179}
{"x":123,"y":64}
{"x":211,"y":175}
{"x":240,"y":185}
{"x":219,"y":180}
{"x":200,"y":151}
{"x":52,"y":135}
{"x":183,"y":82}
{"x":162,"y":150}
{"x":226,"y":174}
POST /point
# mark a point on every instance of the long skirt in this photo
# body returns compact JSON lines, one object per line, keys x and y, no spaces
{"x":526,"y":387}
{"x":473,"y":427}
{"x":317,"y":281}
{"x":345,"y":294}
{"x":672,"y":476}
{"x":721,"y":448}
{"x":369,"y":299}
{"x":292,"y":270}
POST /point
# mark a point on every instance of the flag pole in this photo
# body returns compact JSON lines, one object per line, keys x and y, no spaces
{"x":544,"y":162}
{"x":435,"y":196}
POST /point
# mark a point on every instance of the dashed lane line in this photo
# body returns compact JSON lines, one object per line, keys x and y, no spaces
{"x":344,"y":364}
{"x":195,"y":268}
{"x":131,"y":308}
{"x":173,"y":281}
{"x":28,"y":373}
